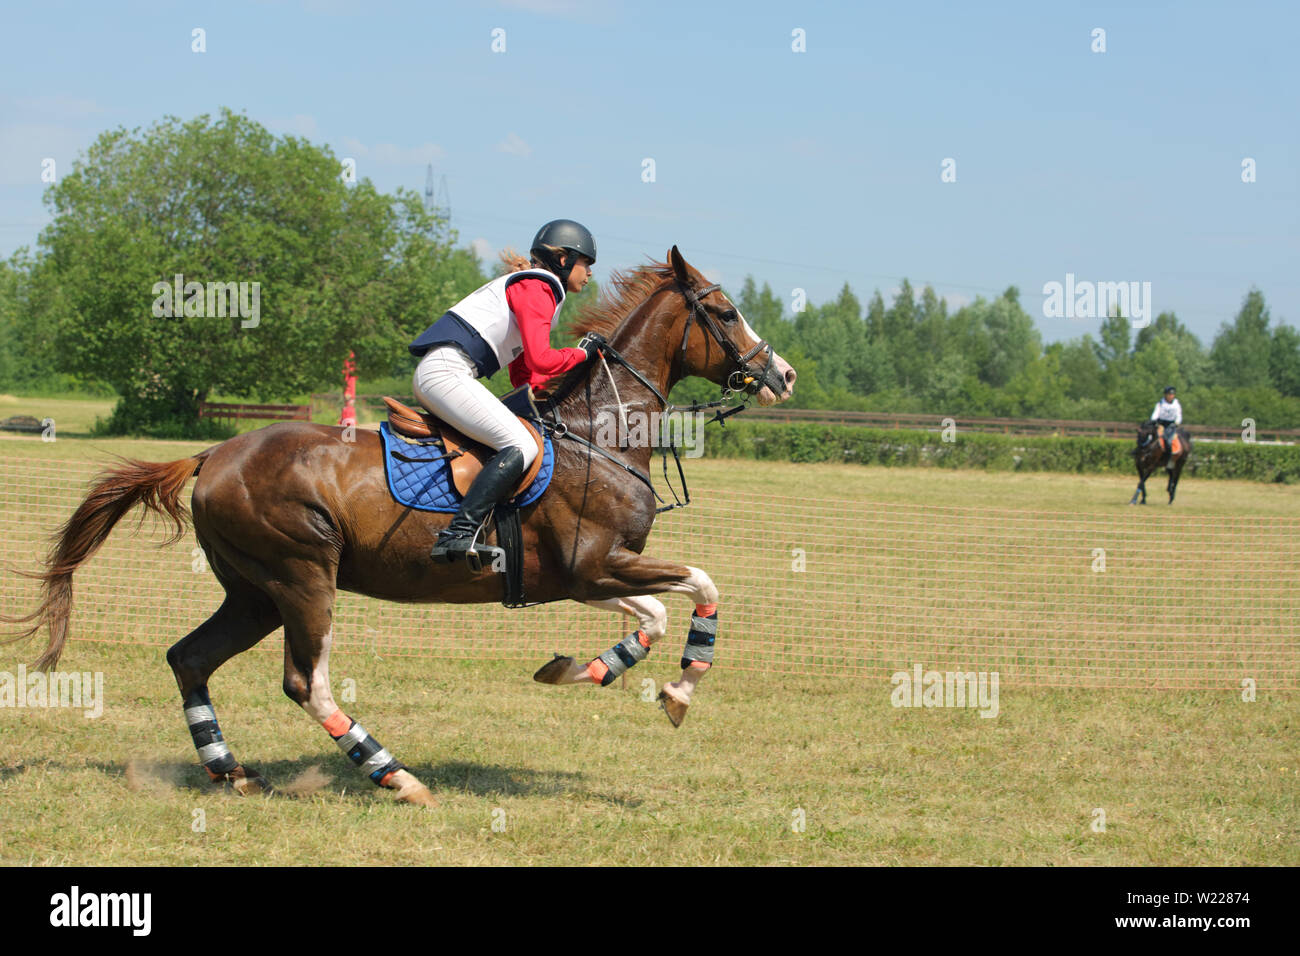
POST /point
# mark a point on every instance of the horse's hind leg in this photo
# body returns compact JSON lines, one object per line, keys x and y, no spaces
{"x":652,"y":620}
{"x":244,"y":618}
{"x":306,"y":602}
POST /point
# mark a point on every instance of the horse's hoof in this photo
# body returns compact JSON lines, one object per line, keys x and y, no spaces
{"x":559,"y":670}
{"x":247,"y":782}
{"x":410,"y":790}
{"x":673,"y":707}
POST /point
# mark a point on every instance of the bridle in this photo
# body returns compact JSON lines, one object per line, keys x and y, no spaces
{"x":740,"y":379}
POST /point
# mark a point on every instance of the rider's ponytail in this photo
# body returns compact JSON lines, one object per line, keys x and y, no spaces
{"x":513,"y":261}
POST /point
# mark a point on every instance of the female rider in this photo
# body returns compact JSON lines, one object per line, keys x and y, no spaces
{"x":506,"y":321}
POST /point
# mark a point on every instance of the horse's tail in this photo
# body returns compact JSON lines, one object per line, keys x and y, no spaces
{"x":156,"y":485}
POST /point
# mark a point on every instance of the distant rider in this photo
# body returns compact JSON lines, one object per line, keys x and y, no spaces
{"x":1169,"y":414}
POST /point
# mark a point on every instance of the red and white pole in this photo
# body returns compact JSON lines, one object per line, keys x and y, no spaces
{"x":349,"y":413}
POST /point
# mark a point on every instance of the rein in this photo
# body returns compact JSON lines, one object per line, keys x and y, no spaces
{"x":739,"y":380}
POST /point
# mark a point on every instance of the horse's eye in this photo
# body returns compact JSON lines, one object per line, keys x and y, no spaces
{"x":729,"y":316}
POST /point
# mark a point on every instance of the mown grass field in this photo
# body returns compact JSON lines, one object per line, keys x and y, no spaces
{"x":597,"y":776}
{"x":576,"y":776}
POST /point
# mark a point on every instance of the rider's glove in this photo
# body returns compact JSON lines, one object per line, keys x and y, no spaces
{"x":592,"y":343}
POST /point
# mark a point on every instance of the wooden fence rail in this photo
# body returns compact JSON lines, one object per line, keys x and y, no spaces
{"x":222,"y":410}
{"x":1007,"y":426}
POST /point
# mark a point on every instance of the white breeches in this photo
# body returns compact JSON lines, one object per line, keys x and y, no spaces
{"x":445,"y":384}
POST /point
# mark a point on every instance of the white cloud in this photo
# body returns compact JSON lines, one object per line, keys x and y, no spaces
{"x":712,"y":274}
{"x":390,"y":154}
{"x":483,"y":249}
{"x":514,"y":145}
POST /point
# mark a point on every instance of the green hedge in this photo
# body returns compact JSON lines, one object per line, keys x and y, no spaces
{"x":874,"y":446}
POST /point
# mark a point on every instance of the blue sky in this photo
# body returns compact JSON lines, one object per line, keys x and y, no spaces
{"x":806,"y":170}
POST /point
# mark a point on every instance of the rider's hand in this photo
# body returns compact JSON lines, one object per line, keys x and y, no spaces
{"x":592,"y":343}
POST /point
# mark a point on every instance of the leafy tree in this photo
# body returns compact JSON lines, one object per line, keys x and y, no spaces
{"x":1012,"y":338}
{"x":1240,"y":353}
{"x":224,"y":201}
{"x":1193,"y":361}
{"x":1115,"y":341}
{"x":1284,"y":360}
{"x":1081,"y":369}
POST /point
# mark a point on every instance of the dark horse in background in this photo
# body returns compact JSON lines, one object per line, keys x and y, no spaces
{"x":290,"y":513}
{"x":1151,"y":453}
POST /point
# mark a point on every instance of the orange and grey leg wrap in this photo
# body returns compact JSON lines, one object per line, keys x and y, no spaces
{"x":202,"y":720}
{"x":626,"y":653}
{"x":362,"y":749}
{"x":699,"y":642}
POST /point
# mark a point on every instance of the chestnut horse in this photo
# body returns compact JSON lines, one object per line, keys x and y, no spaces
{"x":1150,"y":452}
{"x":289,"y":513}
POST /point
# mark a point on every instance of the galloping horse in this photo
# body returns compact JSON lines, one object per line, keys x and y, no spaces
{"x":1150,"y":451}
{"x":292,"y":512}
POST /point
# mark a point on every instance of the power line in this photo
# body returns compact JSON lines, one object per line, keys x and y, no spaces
{"x":917,"y":283}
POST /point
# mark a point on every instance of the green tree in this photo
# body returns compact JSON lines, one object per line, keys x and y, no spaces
{"x":224,"y":201}
{"x":1115,"y":341}
{"x":1284,"y":360}
{"x":1240,"y":353}
{"x":1081,"y":370}
{"x":1013,"y":340}
{"x":1193,"y":361}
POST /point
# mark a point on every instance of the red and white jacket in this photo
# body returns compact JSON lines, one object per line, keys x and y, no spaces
{"x":508,"y":321}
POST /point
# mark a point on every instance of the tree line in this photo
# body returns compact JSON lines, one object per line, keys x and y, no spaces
{"x":340,"y":267}
{"x":988,"y":359}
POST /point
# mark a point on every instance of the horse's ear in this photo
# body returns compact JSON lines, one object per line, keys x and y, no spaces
{"x":680,"y":269}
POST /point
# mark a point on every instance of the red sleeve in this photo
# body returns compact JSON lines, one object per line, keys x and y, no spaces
{"x":533,"y":305}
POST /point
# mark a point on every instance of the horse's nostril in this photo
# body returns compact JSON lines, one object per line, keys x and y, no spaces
{"x":790,"y":376}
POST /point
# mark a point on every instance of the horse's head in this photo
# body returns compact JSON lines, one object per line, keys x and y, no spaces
{"x":1147,"y":433}
{"x":717,"y":343}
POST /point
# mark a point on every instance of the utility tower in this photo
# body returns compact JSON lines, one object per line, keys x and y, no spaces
{"x":435,"y":196}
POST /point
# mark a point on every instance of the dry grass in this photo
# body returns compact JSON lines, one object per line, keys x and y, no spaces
{"x":596,"y":776}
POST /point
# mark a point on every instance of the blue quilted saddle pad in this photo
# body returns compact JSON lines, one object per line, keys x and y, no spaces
{"x":426,"y":485}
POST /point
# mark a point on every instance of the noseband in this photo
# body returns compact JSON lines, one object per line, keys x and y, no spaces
{"x":741,"y":379}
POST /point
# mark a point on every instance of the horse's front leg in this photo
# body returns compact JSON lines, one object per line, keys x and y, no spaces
{"x":627,"y":570}
{"x":1141,"y":489}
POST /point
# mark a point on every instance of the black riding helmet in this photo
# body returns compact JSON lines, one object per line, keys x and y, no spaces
{"x":1170,"y":390}
{"x":567,"y":235}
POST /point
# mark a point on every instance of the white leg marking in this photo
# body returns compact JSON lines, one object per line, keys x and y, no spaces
{"x":702,"y":589}
{"x":320,"y":703}
{"x":698,"y":585}
{"x":651,"y":615}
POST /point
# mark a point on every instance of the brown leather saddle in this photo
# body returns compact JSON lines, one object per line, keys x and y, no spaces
{"x":466,"y":455}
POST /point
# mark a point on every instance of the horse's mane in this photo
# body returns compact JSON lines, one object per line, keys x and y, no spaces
{"x":618,"y":299}
{"x":625,"y":291}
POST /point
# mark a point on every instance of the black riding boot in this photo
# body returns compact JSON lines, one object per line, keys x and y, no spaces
{"x":498,"y":478}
